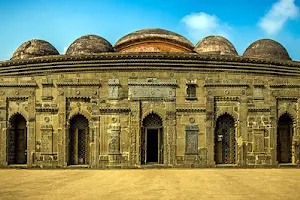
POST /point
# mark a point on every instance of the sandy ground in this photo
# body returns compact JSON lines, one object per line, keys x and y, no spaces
{"x":151,"y":184}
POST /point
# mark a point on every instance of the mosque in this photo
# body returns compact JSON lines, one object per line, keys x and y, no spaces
{"x":151,"y":100}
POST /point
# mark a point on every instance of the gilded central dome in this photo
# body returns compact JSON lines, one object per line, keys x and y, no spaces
{"x":34,"y":48}
{"x":215,"y":45}
{"x":153,"y":40}
{"x":89,"y":44}
{"x":267,"y":48}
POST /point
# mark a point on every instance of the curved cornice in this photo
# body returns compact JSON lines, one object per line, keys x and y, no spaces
{"x":147,"y":61}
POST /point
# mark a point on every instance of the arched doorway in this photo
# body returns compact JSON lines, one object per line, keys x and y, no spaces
{"x":225,"y":141}
{"x":17,"y":140}
{"x":78,"y":141}
{"x":284,"y":139}
{"x":152,"y":145}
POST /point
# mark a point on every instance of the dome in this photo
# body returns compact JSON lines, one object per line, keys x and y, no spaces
{"x":89,"y":44}
{"x":215,"y":45}
{"x":153,"y":40}
{"x":266,"y":48}
{"x":34,"y":48}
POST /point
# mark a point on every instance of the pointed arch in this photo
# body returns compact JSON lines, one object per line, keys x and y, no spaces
{"x":233,"y":115}
{"x":285,"y":132}
{"x":152,"y":120}
{"x":21,"y":113}
{"x":225,"y":141}
{"x":78,"y":140}
{"x":286,"y":113}
{"x":79,"y":111}
{"x":151,"y":113}
{"x":152,"y":139}
{"x":17,"y":139}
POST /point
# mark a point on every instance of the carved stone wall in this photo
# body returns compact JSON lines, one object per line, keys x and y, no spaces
{"x":116,"y":101}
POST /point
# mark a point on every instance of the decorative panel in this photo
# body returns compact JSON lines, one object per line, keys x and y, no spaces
{"x":46,"y":139}
{"x":152,"y":88}
{"x":191,"y":139}
{"x":113,"y":88}
{"x":114,"y":141}
{"x":258,"y":140}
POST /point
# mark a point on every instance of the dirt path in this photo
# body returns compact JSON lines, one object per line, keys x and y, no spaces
{"x":151,"y":184}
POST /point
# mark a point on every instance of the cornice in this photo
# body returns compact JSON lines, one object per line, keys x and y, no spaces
{"x":191,"y":110}
{"x":226,"y":85}
{"x":23,"y":98}
{"x":227,"y":98}
{"x":18,"y":85}
{"x":285,"y":86}
{"x":114,"y":110}
{"x":294,"y":99}
{"x":66,"y":84}
{"x":147,"y":61}
{"x":259,"y":110}
{"x":149,"y":55}
{"x":153,"y":84}
{"x":152,"y":99}
{"x":259,"y":86}
{"x":48,"y":109}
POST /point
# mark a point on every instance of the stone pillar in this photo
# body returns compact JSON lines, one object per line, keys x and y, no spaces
{"x":62,"y":130}
{"x":3,"y":143}
{"x":242,"y":130}
{"x":135,"y":132}
{"x":170,"y":145}
{"x":31,"y":132}
{"x":273,"y":130}
{"x":95,"y":132}
{"x":210,"y":130}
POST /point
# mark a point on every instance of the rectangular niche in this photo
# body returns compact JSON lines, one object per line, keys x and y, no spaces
{"x":152,"y":88}
{"x":258,"y":140}
{"x":191,"y":139}
{"x":47,"y":139}
{"x":114,"y":88}
{"x":114,"y":140}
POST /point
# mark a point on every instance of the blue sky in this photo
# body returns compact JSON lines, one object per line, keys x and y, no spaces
{"x":61,"y":22}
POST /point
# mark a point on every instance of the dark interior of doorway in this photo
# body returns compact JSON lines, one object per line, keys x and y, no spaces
{"x":284,"y":139}
{"x":152,"y":146}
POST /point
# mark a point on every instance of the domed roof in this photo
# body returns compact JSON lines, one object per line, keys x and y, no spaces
{"x":89,"y":44}
{"x":267,"y":48}
{"x":34,"y":48}
{"x":153,"y":34}
{"x":215,"y":45}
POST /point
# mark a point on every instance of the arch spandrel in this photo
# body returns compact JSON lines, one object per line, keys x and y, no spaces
{"x":233,"y":115}
{"x":155,"y":122}
{"x":24,"y":114}
{"x":156,"y":112}
{"x":79,"y":111}
{"x":292,"y":116}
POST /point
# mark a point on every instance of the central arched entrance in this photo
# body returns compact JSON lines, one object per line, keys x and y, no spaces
{"x":152,"y":145}
{"x":17,"y":140}
{"x":284,"y":139}
{"x":78,"y":142}
{"x":225,"y":141}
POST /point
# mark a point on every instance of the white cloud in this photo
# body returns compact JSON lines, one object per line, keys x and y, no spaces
{"x":201,"y":24}
{"x":277,"y":16}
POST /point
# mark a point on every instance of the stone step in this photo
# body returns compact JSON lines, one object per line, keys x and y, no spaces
{"x":155,"y":166}
{"x":18,"y":166}
{"x":78,"y":166}
{"x":287,"y":165}
{"x":226,"y":165}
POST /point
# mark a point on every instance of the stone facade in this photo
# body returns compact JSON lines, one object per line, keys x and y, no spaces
{"x":115,"y":100}
{"x":166,"y":109}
